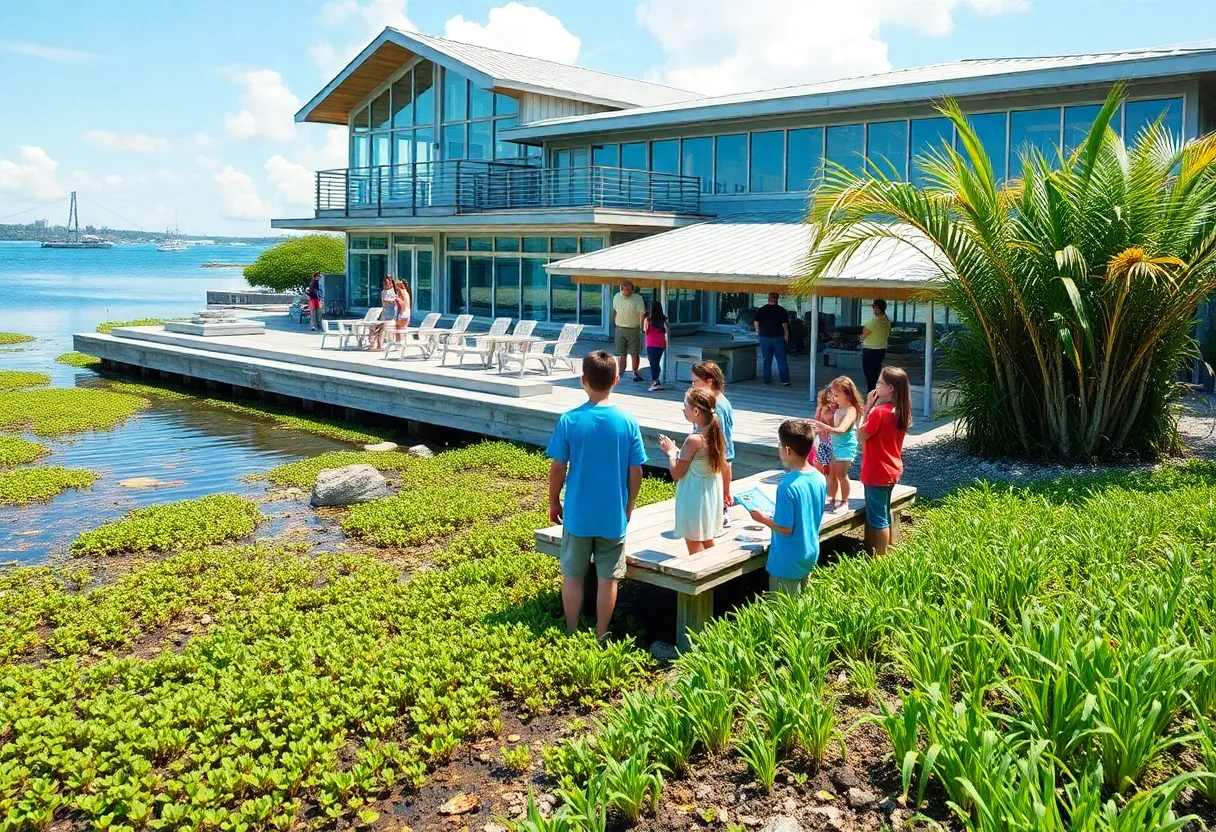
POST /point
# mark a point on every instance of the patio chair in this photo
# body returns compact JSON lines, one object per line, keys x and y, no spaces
{"x":346,"y":331}
{"x":403,"y":339}
{"x":560,"y":351}
{"x":479,"y":345}
{"x":524,"y":327}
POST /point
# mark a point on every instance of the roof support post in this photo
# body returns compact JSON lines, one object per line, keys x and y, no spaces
{"x":929,"y":363}
{"x":813,"y":352}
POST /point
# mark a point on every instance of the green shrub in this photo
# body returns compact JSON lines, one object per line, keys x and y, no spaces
{"x":19,"y":486}
{"x":58,"y":411}
{"x":184,"y":524}
{"x":428,"y":513}
{"x":19,"y":379}
{"x":17,"y":451}
{"x":79,"y":359}
{"x":290,"y":265}
{"x":14,"y":338}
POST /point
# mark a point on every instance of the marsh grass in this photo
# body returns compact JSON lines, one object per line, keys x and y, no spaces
{"x":185,"y":524}
{"x":21,"y":379}
{"x":78,"y":359}
{"x":58,"y":411}
{"x":19,"y":486}
{"x":17,"y":451}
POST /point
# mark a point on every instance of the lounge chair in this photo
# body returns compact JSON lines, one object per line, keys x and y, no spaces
{"x":411,"y":336}
{"x":537,"y":352}
{"x":479,"y":344}
{"x":345,"y":331}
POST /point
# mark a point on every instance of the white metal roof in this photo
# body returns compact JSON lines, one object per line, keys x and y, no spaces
{"x":760,"y":248}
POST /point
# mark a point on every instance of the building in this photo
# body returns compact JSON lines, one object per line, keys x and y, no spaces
{"x":502,"y":185}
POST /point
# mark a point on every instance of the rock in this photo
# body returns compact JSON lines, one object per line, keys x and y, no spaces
{"x":149,"y":482}
{"x":861,"y":799}
{"x":749,"y":820}
{"x":348,"y":484}
{"x":459,"y":804}
{"x":421,"y":451}
{"x":834,"y":817}
{"x":513,"y":738}
{"x":205,"y":620}
{"x":899,"y":817}
{"x":704,"y":792}
{"x":789,"y":806}
{"x":494,"y":827}
{"x":381,"y":446}
{"x":844,"y":778}
{"x":783,"y":823}
{"x":663,"y":651}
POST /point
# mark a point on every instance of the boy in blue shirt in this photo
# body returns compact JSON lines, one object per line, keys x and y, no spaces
{"x":801,"y":494}
{"x":597,"y":454}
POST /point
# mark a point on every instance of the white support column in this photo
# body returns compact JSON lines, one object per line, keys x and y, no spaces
{"x":813,"y":350}
{"x":666,"y":352}
{"x":929,"y":363}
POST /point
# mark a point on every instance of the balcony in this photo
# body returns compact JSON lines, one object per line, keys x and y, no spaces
{"x":473,"y":187}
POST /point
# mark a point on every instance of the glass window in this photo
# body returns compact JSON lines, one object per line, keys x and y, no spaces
{"x":586,"y":244}
{"x":633,"y":156}
{"x":481,"y":140}
{"x":1138,"y":115}
{"x":506,"y":244}
{"x":506,"y":287}
{"x":990,"y":129}
{"x":804,"y":159}
{"x":481,"y":244}
{"x":424,"y":93}
{"x":536,"y":244}
{"x":481,"y":286}
{"x":424,"y":300}
{"x":535,"y":288}
{"x":360,"y":151}
{"x":887,"y":148}
{"x":1033,"y":130}
{"x":453,"y":141}
{"x":730,"y":158}
{"x":606,"y":155}
{"x":424,"y":139}
{"x":458,"y":243}
{"x":381,"y":149}
{"x":591,"y":305}
{"x":403,"y":101}
{"x":730,"y":304}
{"x":564,"y":245}
{"x":361,"y":121}
{"x":563,"y":299}
{"x":846,"y":145}
{"x":665,"y":156}
{"x":455,"y":97}
{"x":458,"y":275}
{"x":359,"y":293}
{"x":505,"y":105}
{"x":377,"y":268}
{"x":928,"y":135}
{"x":1077,"y":123}
{"x":767,"y":162}
{"x":358,"y":243}
{"x":377,"y":242}
{"x":403,"y":147}
{"x":380,"y":111}
{"x":697,"y":159}
{"x":504,"y":149}
{"x":481,"y":102}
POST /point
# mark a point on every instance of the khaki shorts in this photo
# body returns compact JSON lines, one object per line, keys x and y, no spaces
{"x":628,"y":340}
{"x":576,"y":554}
{"x":786,"y":586}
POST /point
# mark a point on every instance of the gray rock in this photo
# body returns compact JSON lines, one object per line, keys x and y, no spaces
{"x":663,"y":651}
{"x":861,"y":799}
{"x":783,"y":823}
{"x":381,"y":446}
{"x":749,"y":820}
{"x":844,"y":778}
{"x":348,"y":485}
{"x":420,"y":451}
{"x":789,"y":806}
{"x":703,"y":791}
{"x":834,"y":817}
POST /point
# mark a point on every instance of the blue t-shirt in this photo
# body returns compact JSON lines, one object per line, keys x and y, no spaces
{"x":600,"y":443}
{"x":800,"y":499}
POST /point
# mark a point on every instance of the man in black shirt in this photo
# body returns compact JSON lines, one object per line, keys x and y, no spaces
{"x":772,"y":324}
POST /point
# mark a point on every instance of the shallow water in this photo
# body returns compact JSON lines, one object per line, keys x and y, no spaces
{"x":194,"y":450}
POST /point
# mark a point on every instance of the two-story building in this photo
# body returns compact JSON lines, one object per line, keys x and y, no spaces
{"x":503,"y":185}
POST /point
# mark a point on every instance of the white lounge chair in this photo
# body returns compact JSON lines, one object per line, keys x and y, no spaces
{"x":536,"y":352}
{"x":346,"y":331}
{"x":411,"y":336}
{"x":523,"y":328}
{"x":479,"y":344}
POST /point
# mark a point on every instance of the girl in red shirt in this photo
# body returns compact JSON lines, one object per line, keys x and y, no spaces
{"x":887,"y":417}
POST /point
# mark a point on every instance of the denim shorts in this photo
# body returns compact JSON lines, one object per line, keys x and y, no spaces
{"x":878,"y":506}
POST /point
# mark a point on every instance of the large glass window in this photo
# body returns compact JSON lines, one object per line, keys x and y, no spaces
{"x":481,"y":140}
{"x":665,"y":156}
{"x":804,"y":159}
{"x":506,"y":287}
{"x":535,"y":288}
{"x":606,"y":155}
{"x":887,"y":148}
{"x":380,"y":112}
{"x":563,"y":303}
{"x":1138,"y":115}
{"x":697,"y":159}
{"x":403,"y":101}
{"x":633,"y":156}
{"x":990,"y":130}
{"x":730,"y":164}
{"x":424,"y":93}
{"x":424,"y":299}
{"x":473,"y":119}
{"x":1078,"y":121}
{"x":481,"y":286}
{"x":358,"y":289}
{"x":767,"y":162}
{"x":458,"y":285}
{"x":928,"y":136}
{"x":455,"y":97}
{"x":1031,"y":130}
{"x":846,"y":145}
{"x":505,"y":105}
{"x":504,"y":149}
{"x":591,"y":305}
{"x":481,"y":103}
{"x":453,"y":141}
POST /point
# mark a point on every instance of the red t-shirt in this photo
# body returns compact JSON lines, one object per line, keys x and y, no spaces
{"x":882,"y":457}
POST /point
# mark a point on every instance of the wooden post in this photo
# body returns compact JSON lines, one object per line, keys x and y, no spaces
{"x":692,"y":614}
{"x":813,"y":352}
{"x":929,"y":364}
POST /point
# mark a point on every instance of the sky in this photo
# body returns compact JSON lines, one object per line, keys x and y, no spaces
{"x":160,"y":112}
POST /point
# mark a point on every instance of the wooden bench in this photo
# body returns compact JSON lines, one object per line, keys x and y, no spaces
{"x":654,"y":556}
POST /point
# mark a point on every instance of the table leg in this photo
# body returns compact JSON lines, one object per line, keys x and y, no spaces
{"x":692,"y":614}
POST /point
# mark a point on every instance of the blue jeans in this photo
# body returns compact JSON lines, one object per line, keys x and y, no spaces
{"x":654,"y":355}
{"x":768,"y":348}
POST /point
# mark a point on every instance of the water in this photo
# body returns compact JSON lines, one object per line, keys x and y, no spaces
{"x":194,"y":450}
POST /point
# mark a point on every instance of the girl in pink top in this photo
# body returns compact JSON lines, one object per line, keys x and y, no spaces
{"x":657,"y":328}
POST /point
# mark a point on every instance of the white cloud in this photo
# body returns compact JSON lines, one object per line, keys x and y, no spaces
{"x":524,"y":30}
{"x":368,"y":19}
{"x":269,"y":108}
{"x":129,"y":142}
{"x":33,"y":175}
{"x":47,"y":53}
{"x":207,"y":162}
{"x":202,"y":141}
{"x":723,"y":46}
{"x":240,"y":196}
{"x":292,"y":183}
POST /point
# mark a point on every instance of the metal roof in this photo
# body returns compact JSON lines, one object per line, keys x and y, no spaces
{"x":957,"y":78}
{"x":757,"y":249}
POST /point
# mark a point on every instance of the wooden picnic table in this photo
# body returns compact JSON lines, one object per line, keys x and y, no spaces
{"x":655,"y":556}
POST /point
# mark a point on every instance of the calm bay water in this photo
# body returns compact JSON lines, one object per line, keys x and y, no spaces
{"x":194,"y":450}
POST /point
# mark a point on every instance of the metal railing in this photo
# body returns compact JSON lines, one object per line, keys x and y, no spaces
{"x":464,"y":186}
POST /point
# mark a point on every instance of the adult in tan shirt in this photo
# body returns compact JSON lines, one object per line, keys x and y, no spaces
{"x":628,"y":309}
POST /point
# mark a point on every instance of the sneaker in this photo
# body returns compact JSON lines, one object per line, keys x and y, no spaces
{"x":726,"y":521}
{"x":637,"y":377}
{"x":654,"y":385}
{"x":785,"y":384}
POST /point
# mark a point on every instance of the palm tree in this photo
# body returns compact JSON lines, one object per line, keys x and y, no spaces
{"x":1076,"y":285}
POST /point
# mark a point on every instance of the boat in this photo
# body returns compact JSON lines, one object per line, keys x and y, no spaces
{"x":173,"y":240}
{"x":75,"y":238}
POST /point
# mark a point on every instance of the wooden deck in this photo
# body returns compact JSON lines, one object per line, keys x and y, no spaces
{"x":655,"y":556}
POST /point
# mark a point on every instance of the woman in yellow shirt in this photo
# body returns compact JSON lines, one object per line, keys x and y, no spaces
{"x":874,"y":335}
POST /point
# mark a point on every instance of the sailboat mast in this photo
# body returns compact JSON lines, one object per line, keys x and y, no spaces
{"x":73,"y":221}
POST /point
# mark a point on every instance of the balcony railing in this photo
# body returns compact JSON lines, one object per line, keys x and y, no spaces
{"x":470,"y":187}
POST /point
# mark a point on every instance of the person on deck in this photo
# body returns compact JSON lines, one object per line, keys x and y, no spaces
{"x":772,"y":324}
{"x":628,"y":309}
{"x":874,"y":335}
{"x":315,"y":302}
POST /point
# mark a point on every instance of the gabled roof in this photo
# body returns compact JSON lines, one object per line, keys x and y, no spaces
{"x":488,"y":68}
{"x":957,"y":79}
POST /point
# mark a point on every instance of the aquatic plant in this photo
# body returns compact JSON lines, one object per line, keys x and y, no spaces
{"x":488,"y":538}
{"x":78,"y":359}
{"x":59,"y":411}
{"x":105,"y":327}
{"x":303,"y":473}
{"x":503,"y":459}
{"x":183,"y":524}
{"x":655,"y":490}
{"x":19,"y":486}
{"x":20,"y":379}
{"x":427,"y":513}
{"x":14,"y":338}
{"x":17,"y":451}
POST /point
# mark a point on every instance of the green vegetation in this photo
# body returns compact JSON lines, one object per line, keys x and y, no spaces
{"x":79,"y":359}
{"x":1076,"y":285}
{"x":58,"y":411}
{"x":19,"y":379}
{"x":290,"y":265}
{"x":303,"y":474}
{"x":105,"y":327}
{"x":1052,"y":647}
{"x":427,"y":512}
{"x":184,"y":524}
{"x":17,"y":451}
{"x":19,"y":486}
{"x":14,"y":338}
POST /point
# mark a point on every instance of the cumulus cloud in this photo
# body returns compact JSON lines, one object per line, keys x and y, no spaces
{"x":723,"y":46}
{"x":291,"y":182}
{"x":32,"y":175}
{"x":47,"y":53}
{"x":202,"y":141}
{"x":524,"y":30}
{"x":128,"y":142}
{"x":368,"y":19}
{"x":240,"y":195}
{"x":269,"y":108}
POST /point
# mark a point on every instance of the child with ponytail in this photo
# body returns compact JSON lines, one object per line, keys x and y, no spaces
{"x":697,"y":469}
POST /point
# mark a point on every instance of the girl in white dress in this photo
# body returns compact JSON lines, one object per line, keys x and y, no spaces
{"x":697,"y":469}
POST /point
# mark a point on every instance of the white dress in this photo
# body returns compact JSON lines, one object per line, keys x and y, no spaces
{"x":699,"y":501}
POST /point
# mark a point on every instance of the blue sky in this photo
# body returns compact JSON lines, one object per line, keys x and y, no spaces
{"x":156,"y":109}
